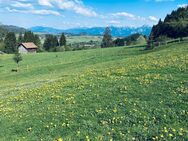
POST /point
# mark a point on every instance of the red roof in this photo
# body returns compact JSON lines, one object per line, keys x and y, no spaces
{"x":29,"y":45}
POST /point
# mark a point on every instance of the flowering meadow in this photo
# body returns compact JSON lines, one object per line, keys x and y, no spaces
{"x":115,"y":94}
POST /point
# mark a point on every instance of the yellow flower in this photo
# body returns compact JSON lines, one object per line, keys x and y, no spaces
{"x":170,"y":135}
{"x":78,"y":132}
{"x":60,"y":139}
{"x":181,"y":134}
{"x":87,"y":138}
{"x":115,"y":110}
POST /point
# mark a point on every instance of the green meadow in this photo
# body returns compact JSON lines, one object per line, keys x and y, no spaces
{"x":120,"y":94}
{"x":83,"y":38}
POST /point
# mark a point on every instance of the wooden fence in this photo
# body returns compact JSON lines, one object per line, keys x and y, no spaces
{"x":178,"y":40}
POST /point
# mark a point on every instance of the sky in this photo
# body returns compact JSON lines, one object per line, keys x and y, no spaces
{"x":65,"y":14}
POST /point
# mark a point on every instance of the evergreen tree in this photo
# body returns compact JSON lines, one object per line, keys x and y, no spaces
{"x":10,"y":43}
{"x":62,"y":41}
{"x":174,"y":25}
{"x":29,"y":36}
{"x":50,"y":43}
{"x":37,"y":40}
{"x":20,"y":38}
{"x":107,"y":38}
{"x":55,"y":41}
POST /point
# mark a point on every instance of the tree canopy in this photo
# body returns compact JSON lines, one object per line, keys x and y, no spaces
{"x":50,"y":43}
{"x":107,"y":38}
{"x":62,"y":41}
{"x":10,"y":43}
{"x":175,"y":25}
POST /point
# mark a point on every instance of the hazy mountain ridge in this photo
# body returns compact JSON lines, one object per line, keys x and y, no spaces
{"x":12,"y":28}
{"x":116,"y":31}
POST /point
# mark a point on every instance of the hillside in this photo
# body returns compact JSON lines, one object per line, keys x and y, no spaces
{"x":11,"y":28}
{"x":121,"y":93}
{"x":134,"y":39}
{"x":3,"y":32}
{"x":95,"y":31}
{"x":175,"y":25}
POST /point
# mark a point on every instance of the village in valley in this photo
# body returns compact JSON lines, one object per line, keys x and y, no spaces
{"x":80,"y":70}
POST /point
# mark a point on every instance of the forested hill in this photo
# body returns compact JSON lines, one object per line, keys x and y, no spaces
{"x":175,"y":25}
{"x":10,"y":28}
{"x":3,"y":31}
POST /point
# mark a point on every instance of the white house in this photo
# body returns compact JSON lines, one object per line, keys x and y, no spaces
{"x":29,"y":47}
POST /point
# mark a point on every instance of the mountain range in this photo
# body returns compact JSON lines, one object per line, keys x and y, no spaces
{"x":94,"y":31}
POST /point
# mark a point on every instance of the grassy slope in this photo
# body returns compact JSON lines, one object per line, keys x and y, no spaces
{"x":78,"y":39}
{"x":100,"y":94}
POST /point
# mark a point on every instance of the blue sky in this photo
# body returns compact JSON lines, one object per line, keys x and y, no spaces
{"x":85,"y":13}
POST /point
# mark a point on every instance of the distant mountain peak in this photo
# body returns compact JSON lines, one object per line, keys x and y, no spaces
{"x":116,"y":31}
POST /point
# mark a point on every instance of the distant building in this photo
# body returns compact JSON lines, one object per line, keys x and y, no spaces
{"x":89,"y":45}
{"x":2,"y":53}
{"x":29,"y":47}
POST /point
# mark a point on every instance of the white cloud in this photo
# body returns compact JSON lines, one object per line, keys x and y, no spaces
{"x":38,"y":12}
{"x":154,"y":19}
{"x":183,"y":5}
{"x":72,"y":5}
{"x":22,"y":5}
{"x":45,"y":2}
{"x":120,"y":18}
{"x":124,"y":14}
{"x":114,"y":22}
{"x":8,"y":1}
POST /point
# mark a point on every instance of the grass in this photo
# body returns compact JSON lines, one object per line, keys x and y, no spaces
{"x":101,"y":94}
{"x":79,"y":39}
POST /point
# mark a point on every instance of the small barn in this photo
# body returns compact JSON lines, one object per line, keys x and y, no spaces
{"x":29,"y":47}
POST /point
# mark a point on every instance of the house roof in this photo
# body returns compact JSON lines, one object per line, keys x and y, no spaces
{"x":29,"y":45}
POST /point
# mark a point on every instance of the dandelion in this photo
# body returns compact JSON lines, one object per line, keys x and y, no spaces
{"x":78,"y":132}
{"x":60,"y":139}
{"x":115,"y":110}
{"x":170,"y":135}
{"x":87,"y":138}
{"x":181,"y":134}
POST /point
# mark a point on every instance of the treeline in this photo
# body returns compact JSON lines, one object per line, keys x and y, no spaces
{"x":133,"y":39}
{"x":10,"y":42}
{"x":84,"y":45}
{"x":52,"y":43}
{"x":58,"y":43}
{"x":175,"y":25}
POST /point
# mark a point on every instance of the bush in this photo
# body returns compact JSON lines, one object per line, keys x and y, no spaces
{"x":59,"y":49}
{"x":68,"y":48}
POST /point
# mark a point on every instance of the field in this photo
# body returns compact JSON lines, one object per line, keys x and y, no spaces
{"x":78,"y":39}
{"x":119,"y":94}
